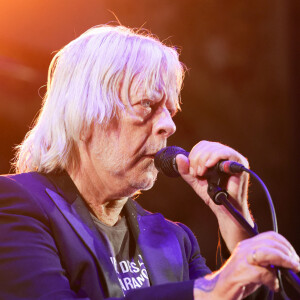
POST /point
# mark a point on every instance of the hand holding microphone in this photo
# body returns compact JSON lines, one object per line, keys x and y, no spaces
{"x":195,"y":168}
{"x":205,"y":159}
{"x":165,"y":162}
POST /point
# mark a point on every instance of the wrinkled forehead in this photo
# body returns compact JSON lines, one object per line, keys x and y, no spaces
{"x":153,"y":85}
{"x":145,"y":91}
{"x":152,"y":70}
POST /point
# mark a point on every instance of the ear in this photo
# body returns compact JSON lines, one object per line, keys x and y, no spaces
{"x":86,"y":133}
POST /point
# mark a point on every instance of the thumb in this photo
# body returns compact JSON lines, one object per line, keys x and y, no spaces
{"x":183,"y":164}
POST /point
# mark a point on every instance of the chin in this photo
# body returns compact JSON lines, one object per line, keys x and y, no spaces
{"x":147,"y":187}
{"x":146,"y":181}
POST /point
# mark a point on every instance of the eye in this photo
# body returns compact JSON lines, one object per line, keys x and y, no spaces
{"x":146,"y":103}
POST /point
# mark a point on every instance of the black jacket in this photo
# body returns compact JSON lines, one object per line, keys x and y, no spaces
{"x":51,"y":249}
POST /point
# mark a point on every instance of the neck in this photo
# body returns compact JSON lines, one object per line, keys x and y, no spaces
{"x":110,"y":212}
{"x":104,"y":204}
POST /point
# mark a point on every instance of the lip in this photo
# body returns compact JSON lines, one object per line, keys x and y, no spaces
{"x":150,"y":155}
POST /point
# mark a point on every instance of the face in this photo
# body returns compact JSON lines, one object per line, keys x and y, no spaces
{"x":122,"y":154}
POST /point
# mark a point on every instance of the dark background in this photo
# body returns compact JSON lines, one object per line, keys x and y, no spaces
{"x":242,"y":89}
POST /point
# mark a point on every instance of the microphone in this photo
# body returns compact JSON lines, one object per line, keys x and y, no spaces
{"x":165,"y":162}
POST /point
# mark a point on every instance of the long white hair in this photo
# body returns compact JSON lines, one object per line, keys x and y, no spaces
{"x":85,"y":81}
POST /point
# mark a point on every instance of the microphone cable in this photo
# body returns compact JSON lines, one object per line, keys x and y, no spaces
{"x":291,"y":277}
{"x":165,"y":161}
{"x":274,"y":224}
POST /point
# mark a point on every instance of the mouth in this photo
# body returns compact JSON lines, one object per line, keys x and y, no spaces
{"x":153,"y":152}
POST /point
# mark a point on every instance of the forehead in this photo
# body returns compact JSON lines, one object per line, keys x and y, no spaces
{"x":158,"y":91}
{"x":144,"y":92}
{"x":154,"y":75}
{"x":155,"y":95}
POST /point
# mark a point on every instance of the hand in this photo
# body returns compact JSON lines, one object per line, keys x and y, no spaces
{"x":205,"y":155}
{"x":249,"y":266}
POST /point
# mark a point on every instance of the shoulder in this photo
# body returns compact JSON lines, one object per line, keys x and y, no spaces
{"x":31,"y":184}
{"x":25,"y":181}
{"x":23,"y":193}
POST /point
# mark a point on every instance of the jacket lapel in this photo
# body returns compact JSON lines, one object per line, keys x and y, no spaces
{"x":78,"y":216}
{"x":158,"y":244}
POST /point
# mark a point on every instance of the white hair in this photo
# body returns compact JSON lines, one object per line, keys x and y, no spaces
{"x":85,"y":81}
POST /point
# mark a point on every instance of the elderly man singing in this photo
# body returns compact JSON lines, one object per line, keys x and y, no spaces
{"x":68,"y":226}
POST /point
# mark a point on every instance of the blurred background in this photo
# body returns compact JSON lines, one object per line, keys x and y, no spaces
{"x":242,"y":89}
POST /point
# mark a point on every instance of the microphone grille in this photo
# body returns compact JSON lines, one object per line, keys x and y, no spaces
{"x":165,"y":160}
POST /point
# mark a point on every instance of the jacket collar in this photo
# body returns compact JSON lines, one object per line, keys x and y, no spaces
{"x":157,"y":243}
{"x":71,"y":205}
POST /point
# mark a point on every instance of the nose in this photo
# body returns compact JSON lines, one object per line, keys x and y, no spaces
{"x":164,"y":124}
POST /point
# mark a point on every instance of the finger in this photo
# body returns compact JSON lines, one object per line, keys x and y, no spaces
{"x":274,"y":244}
{"x":237,"y":186}
{"x":221,"y":153}
{"x":267,"y":276}
{"x":183,"y":169}
{"x":227,"y":154}
{"x":258,"y":275}
{"x":271,"y":235}
{"x":266,"y":256}
{"x":183,"y":164}
{"x":207,"y":154}
{"x":198,"y":156}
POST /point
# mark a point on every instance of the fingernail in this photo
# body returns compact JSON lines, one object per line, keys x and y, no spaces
{"x":296,"y":257}
{"x":199,"y":170}
{"x":276,"y":285}
{"x":192,"y":171}
{"x":207,"y":163}
{"x":293,"y":251}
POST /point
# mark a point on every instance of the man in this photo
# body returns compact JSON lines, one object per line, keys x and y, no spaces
{"x":69,"y":229}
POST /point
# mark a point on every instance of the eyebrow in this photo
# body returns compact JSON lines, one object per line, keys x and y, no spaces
{"x":174,"y":112}
{"x":173,"y":109}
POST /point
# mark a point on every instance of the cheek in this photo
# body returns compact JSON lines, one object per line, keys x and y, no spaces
{"x":133,"y":142}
